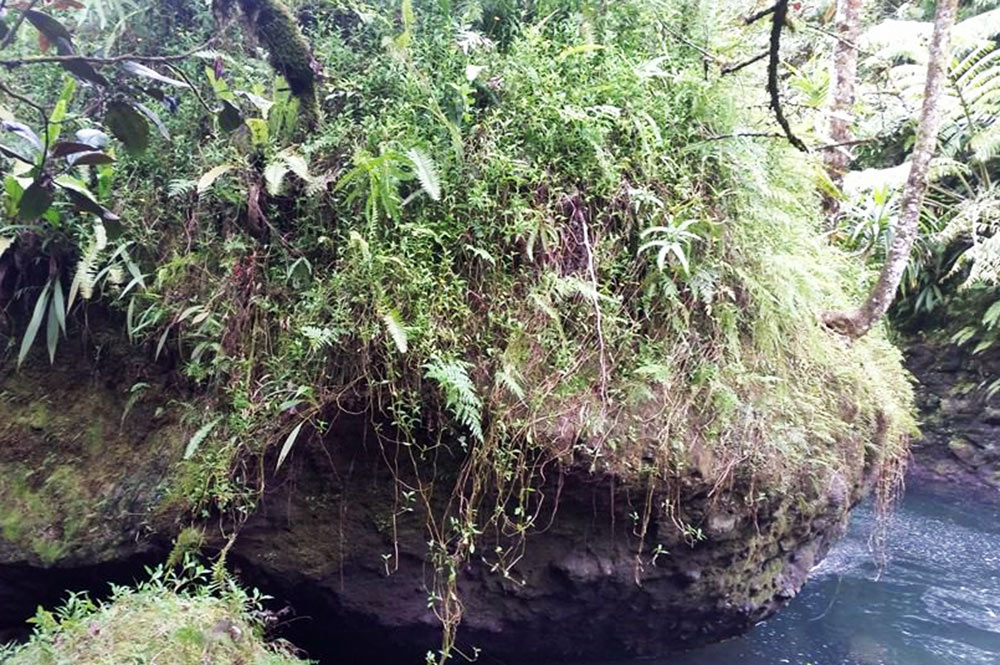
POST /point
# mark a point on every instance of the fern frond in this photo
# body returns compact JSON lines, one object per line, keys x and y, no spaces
{"x":394,"y":326}
{"x":459,"y":391}
{"x":426,"y":173}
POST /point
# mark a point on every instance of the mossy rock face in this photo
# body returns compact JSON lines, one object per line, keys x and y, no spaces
{"x":333,"y":538}
{"x":960,"y":420}
{"x":80,"y":479}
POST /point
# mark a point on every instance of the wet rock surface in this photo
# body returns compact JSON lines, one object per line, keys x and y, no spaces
{"x":960,"y":422}
{"x":583,"y":588}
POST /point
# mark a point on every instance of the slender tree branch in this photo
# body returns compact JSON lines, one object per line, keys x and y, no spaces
{"x":780,"y":11}
{"x":732,"y":69}
{"x":855,"y":323}
{"x":753,"y":18}
{"x":113,"y":60}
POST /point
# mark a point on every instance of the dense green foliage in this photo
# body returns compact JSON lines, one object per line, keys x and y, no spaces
{"x":174,"y":618}
{"x":515,"y":235}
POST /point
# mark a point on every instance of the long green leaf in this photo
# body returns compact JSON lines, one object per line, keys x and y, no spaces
{"x":31,"y":332}
{"x":52,"y":331}
{"x":287,"y":447}
{"x":198,"y":437}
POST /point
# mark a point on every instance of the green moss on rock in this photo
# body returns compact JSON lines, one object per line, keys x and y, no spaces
{"x":78,"y":482}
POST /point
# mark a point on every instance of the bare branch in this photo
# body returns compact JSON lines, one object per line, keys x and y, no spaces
{"x":753,"y":18}
{"x":780,"y":11}
{"x":732,"y":69}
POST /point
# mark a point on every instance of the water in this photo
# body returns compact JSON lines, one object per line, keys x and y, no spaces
{"x":938,"y":602}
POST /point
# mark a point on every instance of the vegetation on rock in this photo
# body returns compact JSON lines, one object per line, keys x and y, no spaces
{"x":173,"y":618}
{"x":512,"y":234}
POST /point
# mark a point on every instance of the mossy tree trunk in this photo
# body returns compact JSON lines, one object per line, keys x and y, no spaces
{"x":276,"y":28}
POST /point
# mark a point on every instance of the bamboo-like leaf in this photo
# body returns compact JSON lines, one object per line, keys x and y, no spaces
{"x":31,"y":332}
{"x":138,"y":69}
{"x":206,"y":181}
{"x":198,"y":437}
{"x":52,"y":330}
{"x":397,"y":332}
{"x":5,"y":244}
{"x":287,"y":446}
{"x":426,"y":173}
{"x":59,"y":305}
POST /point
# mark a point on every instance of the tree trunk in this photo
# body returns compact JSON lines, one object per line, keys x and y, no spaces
{"x":845,"y":72}
{"x":855,"y":323}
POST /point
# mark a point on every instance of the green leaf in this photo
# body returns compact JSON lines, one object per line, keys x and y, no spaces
{"x":138,"y":69}
{"x":25,"y":132}
{"x":52,"y":331}
{"x":206,"y":181}
{"x":91,"y":158}
{"x":198,"y":437}
{"x":31,"y":332}
{"x":394,"y":325}
{"x":128,"y":126}
{"x":59,"y":305}
{"x":258,"y":131}
{"x":155,"y":119}
{"x":95,"y":138}
{"x":83,"y":199}
{"x":287,"y":446}
{"x":35,"y":201}
{"x":426,"y":173}
{"x":86,"y":71}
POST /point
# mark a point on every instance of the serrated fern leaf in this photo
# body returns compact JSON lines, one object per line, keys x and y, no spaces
{"x":459,"y":392}
{"x":426,"y":173}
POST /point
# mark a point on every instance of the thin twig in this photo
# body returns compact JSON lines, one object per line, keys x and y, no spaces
{"x":732,"y":69}
{"x":777,"y":23}
{"x":114,"y":60}
{"x":745,"y":135}
{"x":848,"y":42}
{"x":707,"y":54}
{"x":753,"y":18}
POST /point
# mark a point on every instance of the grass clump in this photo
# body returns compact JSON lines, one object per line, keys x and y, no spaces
{"x":174,"y":618}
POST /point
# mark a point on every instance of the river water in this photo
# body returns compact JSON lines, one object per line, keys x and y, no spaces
{"x":937,"y":603}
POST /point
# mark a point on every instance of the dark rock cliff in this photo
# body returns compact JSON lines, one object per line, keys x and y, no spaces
{"x":960,"y":423}
{"x":85,"y":487}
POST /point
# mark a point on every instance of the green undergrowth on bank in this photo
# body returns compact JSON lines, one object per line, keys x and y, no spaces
{"x":515,"y":236}
{"x":174,"y":618}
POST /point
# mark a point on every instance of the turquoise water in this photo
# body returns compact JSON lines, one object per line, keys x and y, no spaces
{"x":937,"y":603}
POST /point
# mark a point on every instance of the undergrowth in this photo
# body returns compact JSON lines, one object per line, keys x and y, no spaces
{"x":176,"y":617}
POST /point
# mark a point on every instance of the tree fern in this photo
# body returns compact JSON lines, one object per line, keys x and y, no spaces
{"x":452,"y":377}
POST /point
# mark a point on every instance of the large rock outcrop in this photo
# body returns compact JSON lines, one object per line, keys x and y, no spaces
{"x":960,"y":421}
{"x":584,"y":589}
{"x":85,"y":500}
{"x":83,"y":476}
